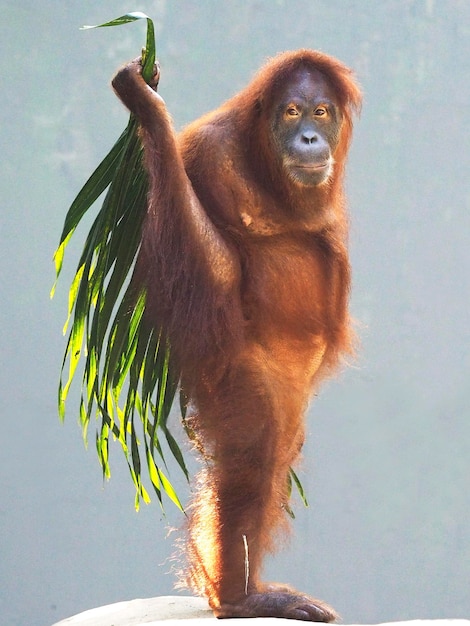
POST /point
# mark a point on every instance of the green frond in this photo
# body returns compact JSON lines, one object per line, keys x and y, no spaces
{"x":126,"y":374}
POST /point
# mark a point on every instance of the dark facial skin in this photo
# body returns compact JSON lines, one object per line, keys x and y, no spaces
{"x":306,"y":128}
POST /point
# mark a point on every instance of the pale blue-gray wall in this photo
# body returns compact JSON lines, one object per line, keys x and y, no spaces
{"x":387,"y":463}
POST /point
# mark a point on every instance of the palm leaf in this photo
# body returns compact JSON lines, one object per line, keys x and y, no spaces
{"x":127,"y":378}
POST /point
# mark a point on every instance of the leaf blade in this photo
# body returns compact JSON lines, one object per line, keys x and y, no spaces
{"x":106,"y":313}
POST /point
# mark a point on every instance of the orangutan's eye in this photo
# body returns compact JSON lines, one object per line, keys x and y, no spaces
{"x":292,"y":111}
{"x":321,"y":111}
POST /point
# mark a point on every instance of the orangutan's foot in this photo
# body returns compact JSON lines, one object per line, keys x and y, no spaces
{"x":278,"y":601}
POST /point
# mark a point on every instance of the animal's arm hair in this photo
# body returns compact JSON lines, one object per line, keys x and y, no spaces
{"x":173,"y":205}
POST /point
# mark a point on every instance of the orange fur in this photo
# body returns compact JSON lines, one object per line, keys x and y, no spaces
{"x":249,"y":275}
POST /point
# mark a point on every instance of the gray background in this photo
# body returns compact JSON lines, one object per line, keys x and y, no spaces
{"x":386,"y":467}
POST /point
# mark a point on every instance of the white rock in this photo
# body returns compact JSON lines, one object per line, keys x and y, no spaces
{"x":173,"y":609}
